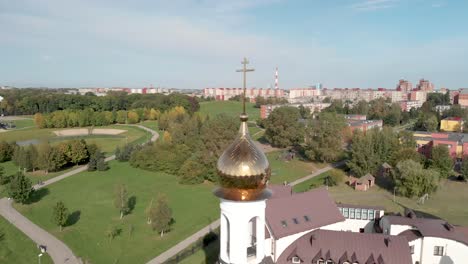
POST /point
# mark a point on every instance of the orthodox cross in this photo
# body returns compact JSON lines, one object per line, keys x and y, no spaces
{"x":244,"y":70}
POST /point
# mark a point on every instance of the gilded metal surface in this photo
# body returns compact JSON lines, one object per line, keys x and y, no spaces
{"x":243,"y":168}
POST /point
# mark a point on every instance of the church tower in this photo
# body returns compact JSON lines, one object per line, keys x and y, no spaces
{"x":244,"y":171}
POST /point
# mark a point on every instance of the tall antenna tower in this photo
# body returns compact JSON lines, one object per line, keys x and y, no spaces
{"x":276,"y":79}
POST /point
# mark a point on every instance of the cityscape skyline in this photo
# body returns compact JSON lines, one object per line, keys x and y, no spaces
{"x":185,"y":43}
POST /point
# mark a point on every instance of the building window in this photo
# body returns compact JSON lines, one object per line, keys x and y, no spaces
{"x":284,"y":224}
{"x":364,"y":214}
{"x":345,"y":212}
{"x":306,"y":218}
{"x":358,"y":213}
{"x":411,"y":249}
{"x":296,"y":260}
{"x":351,"y":213}
{"x":295,"y":221}
{"x":438,"y":251}
{"x":371,"y":214}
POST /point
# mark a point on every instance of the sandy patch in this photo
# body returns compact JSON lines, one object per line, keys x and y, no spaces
{"x":86,"y":132}
{"x":108,"y":131}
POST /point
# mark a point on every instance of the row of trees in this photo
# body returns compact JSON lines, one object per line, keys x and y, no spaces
{"x":49,"y":157}
{"x":88,"y":117}
{"x":31,"y":101}
{"x":190,"y":146}
{"x":321,"y":137}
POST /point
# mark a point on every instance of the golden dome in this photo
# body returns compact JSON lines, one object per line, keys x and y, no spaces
{"x":243,"y":168}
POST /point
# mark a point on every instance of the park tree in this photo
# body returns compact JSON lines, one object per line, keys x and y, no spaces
{"x":161,"y":215}
{"x":407,"y":139}
{"x":121,"y":117}
{"x":324,"y":137}
{"x":464,"y":168}
{"x":441,"y":161}
{"x":133,"y":117}
{"x":4,"y":179}
{"x":406,"y":154}
{"x":23,"y":158}
{"x":191,"y":172}
{"x":39,"y":120}
{"x":412,"y":180}
{"x":430,"y":123}
{"x":282,"y":127}
{"x":20,"y":188}
{"x":112,"y":232}
{"x":76,"y":151}
{"x":60,"y":214}
{"x":368,"y":151}
{"x":97,"y":161}
{"x":334,"y":177}
{"x":121,"y":199}
{"x":154,"y":114}
{"x":6,"y":151}
{"x":304,"y":112}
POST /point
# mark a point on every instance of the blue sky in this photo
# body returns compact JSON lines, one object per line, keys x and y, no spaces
{"x":200,"y":43}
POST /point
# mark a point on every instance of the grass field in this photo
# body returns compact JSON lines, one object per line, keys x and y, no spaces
{"x":447,"y":203}
{"x":311,"y":183}
{"x":90,"y":196}
{"x":231,"y":108}
{"x":289,"y":171}
{"x":106,"y":142}
{"x":17,"y":248}
{"x":152,"y":125}
{"x":207,"y":255}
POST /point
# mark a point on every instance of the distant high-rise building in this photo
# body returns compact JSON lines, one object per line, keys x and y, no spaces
{"x":404,"y":86}
{"x":425,"y":85}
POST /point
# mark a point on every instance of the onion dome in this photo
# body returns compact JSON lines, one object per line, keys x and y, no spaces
{"x":243,"y":169}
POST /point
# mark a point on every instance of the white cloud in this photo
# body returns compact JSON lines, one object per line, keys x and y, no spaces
{"x":372,"y":5}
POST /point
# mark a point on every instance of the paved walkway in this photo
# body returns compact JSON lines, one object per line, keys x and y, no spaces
{"x":201,"y":233}
{"x":184,"y":244}
{"x":318,"y":172}
{"x":58,"y":251}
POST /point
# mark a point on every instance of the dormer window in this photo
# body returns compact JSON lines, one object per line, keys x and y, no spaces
{"x":306,"y":218}
{"x":295,"y":221}
{"x":296,"y":260}
{"x":284,"y":224}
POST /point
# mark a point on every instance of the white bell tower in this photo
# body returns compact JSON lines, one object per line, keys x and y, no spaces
{"x":242,"y":231}
{"x":243,"y":171}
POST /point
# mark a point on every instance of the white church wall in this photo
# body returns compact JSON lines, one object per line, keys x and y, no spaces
{"x":454,"y":252}
{"x":282,"y":243}
{"x":417,"y":249}
{"x":352,"y":225}
{"x":390,"y":229}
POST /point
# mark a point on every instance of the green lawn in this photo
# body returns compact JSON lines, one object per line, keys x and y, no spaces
{"x":290,"y":170}
{"x":231,"y":108}
{"x":107,"y":143}
{"x":23,"y":123}
{"x":207,"y":255}
{"x":90,"y":195}
{"x":15,"y":247}
{"x":311,"y":183}
{"x":152,"y":125}
{"x":449,"y":202}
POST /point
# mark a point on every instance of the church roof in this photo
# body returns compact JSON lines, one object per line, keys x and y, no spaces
{"x":431,"y":227}
{"x":352,"y":247}
{"x":301,"y":212}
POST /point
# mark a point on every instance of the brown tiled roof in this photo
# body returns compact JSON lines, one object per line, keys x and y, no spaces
{"x":301,"y":212}
{"x":432,"y":227}
{"x":365,"y":178}
{"x":280,"y":191}
{"x":354,"y":247}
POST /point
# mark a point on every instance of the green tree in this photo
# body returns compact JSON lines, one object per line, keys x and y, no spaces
{"x":430,"y":123}
{"x":412,"y":180}
{"x":191,"y":172}
{"x":406,"y":154}
{"x":6,"y":151}
{"x":441,"y":161}
{"x":334,"y":177}
{"x":121,"y":199}
{"x":60,"y":214}
{"x":20,"y":188}
{"x":121,"y":117}
{"x":464,"y":168}
{"x":76,"y":151}
{"x":324,"y":137}
{"x":112,"y":232}
{"x":161,"y":215}
{"x":282,"y":127}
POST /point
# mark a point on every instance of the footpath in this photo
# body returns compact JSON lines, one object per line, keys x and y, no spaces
{"x":58,"y":251}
